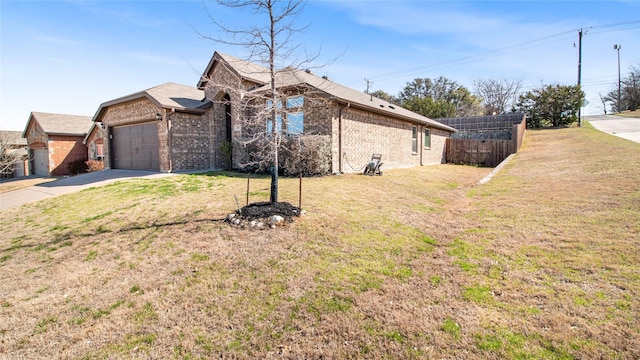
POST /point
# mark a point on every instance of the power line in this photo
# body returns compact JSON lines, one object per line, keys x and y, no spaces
{"x":496,"y":53}
{"x":608,"y":31}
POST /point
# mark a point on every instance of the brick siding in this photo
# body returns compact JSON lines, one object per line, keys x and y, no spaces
{"x":64,"y":150}
{"x":226,"y":82}
{"x":190,"y":145}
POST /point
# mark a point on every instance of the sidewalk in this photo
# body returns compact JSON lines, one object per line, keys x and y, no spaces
{"x":624,"y":127}
{"x":71,"y":184}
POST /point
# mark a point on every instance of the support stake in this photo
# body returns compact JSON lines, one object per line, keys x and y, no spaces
{"x":248,"y":177}
{"x":300,"y":193}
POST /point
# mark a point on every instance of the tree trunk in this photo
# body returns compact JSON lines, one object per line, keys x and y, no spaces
{"x":274,"y":185}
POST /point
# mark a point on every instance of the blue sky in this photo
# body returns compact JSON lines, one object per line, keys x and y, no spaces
{"x":71,"y":56}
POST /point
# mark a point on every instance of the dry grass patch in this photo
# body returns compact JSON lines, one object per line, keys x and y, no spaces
{"x":419,"y":263}
{"x":7,"y":185}
{"x":629,"y":113}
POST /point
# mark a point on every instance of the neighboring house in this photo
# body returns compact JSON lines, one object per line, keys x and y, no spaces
{"x":158,"y":129}
{"x":13,"y":154}
{"x":175,"y":127}
{"x":55,"y":142}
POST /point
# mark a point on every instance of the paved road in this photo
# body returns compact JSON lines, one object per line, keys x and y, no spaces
{"x":624,"y":127}
{"x":68,"y":185}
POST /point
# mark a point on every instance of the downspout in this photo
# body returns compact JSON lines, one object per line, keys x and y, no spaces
{"x":170,"y":137}
{"x":421,"y":137}
{"x":340,"y":135}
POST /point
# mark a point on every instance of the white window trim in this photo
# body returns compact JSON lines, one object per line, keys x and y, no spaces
{"x":423,"y":136}
{"x":414,"y":140}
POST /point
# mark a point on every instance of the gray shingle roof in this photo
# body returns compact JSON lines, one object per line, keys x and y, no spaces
{"x":353,"y":97}
{"x":60,"y":124}
{"x":13,"y":138}
{"x":261,"y":75}
{"x":177,"y":96}
{"x":168,"y":95}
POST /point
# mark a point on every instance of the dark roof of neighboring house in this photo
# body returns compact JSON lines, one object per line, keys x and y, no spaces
{"x":168,"y":96}
{"x":348,"y":96}
{"x":14,"y":138}
{"x":60,"y":124}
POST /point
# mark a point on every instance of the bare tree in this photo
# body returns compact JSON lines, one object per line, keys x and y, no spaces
{"x":604,"y":99}
{"x":271,"y":45}
{"x":11,"y":152}
{"x":497,"y":95}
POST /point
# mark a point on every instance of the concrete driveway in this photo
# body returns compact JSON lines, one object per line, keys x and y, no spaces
{"x":624,"y":127}
{"x":68,"y":185}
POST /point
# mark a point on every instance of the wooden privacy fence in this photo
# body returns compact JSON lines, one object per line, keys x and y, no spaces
{"x":478,"y":152}
{"x":485,"y":152}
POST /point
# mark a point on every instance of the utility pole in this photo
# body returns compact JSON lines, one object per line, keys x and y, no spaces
{"x":369,"y":83}
{"x":618,"y":47}
{"x":579,"y":73}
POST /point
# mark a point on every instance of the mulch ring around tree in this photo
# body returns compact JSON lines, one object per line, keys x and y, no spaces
{"x":263,"y":215}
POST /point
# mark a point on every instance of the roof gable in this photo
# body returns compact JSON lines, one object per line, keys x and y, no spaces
{"x":242,"y":68}
{"x":60,"y":124}
{"x":168,"y":95}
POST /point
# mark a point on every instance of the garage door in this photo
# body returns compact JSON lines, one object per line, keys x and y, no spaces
{"x":135,"y":147}
{"x":40,"y":162}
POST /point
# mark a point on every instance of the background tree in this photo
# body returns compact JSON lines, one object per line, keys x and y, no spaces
{"x":10,"y":153}
{"x":438,"y":98}
{"x":603,"y":100}
{"x":629,"y":92}
{"x":497,"y":96}
{"x":632,"y":88}
{"x":380,"y":94}
{"x":551,"y":105}
{"x":270,"y":45}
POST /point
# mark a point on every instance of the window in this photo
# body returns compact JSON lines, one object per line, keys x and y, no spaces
{"x":270,"y":104}
{"x":427,"y":138}
{"x":295,"y":123}
{"x":278,"y":124}
{"x":270,"y":117}
{"x":99,"y":152}
{"x":295,"y":119}
{"x":295,"y":102}
{"x":414,"y":140}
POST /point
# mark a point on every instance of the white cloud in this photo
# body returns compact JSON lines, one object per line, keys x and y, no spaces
{"x":55,"y":40}
{"x":422,"y":17}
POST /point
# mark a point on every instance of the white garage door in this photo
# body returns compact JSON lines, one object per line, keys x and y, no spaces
{"x":40,"y":162}
{"x":135,"y":147}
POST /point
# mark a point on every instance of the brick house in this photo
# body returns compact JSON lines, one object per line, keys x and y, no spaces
{"x":55,"y":142}
{"x":175,"y":127}
{"x":357,"y":123}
